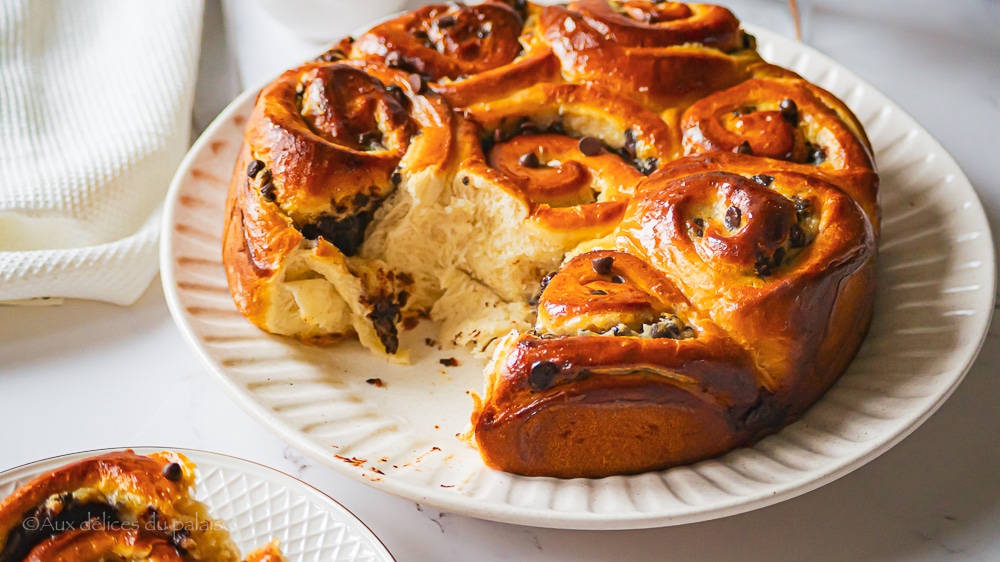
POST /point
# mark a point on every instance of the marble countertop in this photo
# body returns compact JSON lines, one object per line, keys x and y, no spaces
{"x":87,"y":375}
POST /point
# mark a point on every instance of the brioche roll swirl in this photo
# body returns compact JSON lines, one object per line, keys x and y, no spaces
{"x":148,"y":492}
{"x":468,"y":53}
{"x":663,"y":55}
{"x":791,"y":120}
{"x":573,"y":153}
{"x":640,"y":23}
{"x":778,"y":261}
{"x":589,"y":405}
{"x":322,"y":149}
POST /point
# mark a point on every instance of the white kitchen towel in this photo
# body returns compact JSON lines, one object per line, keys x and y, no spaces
{"x":95,"y":116}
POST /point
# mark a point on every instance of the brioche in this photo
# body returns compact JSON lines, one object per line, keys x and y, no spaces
{"x":116,"y":506}
{"x":663,"y":245}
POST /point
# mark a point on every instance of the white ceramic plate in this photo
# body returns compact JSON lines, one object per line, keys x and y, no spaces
{"x":936,"y":286}
{"x":257,"y":504}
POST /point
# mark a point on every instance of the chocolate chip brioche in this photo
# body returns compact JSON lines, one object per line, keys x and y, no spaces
{"x":665,"y":244}
{"x":116,"y":506}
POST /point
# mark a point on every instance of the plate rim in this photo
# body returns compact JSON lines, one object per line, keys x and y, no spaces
{"x":465,"y":505}
{"x":199,"y":458}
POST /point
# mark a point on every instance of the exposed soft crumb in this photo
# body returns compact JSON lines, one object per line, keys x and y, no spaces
{"x":449,"y":362}
{"x":377,"y":382}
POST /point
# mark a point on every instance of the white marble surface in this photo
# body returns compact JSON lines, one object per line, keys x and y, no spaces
{"x":87,"y":375}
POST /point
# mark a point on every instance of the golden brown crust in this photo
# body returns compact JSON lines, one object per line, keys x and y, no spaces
{"x":84,"y":545}
{"x":693,"y":51}
{"x":557,"y":404}
{"x":790,"y":120}
{"x":468,"y":53}
{"x":116,"y":505}
{"x":106,"y":497}
{"x":320,"y":156}
{"x":694,"y":227}
{"x":126,"y":473}
{"x":565,"y":189}
{"x":661,"y":24}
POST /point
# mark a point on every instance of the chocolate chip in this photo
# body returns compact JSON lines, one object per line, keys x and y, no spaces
{"x":796,"y":236}
{"x":449,"y":362}
{"x":269,"y":191}
{"x":666,"y":331}
{"x":667,"y":327}
{"x":181,"y":539}
{"x":649,"y":166}
{"x":396,"y":179}
{"x":762,"y":266}
{"x":629,"y":148}
{"x":417,"y":83}
{"x":602,"y":265}
{"x":778,"y":257}
{"x":817,"y":155}
{"x":733,"y":217}
{"x":499,"y":136}
{"x":789,"y":111}
{"x":622,"y":330}
{"x":529,"y":160}
{"x":465,"y":180}
{"x":763,"y":179}
{"x":590,"y":146}
{"x":254,"y":168}
{"x":543,"y":375}
{"x":172,"y":472}
{"x":332,"y":55}
{"x":618,"y":279}
{"x":528,"y":127}
{"x":396,"y":92}
{"x":545,"y":282}
{"x":699,"y":227}
{"x":310,"y":232}
{"x":743,"y":148}
{"x":384,"y":315}
{"x":803,"y":207}
{"x":598,"y":292}
{"x":446,"y":21}
{"x":372,"y":140}
{"x":376,"y":382}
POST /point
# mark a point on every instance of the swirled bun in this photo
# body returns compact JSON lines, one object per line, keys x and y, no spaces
{"x":117,"y":505}
{"x":665,"y":244}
